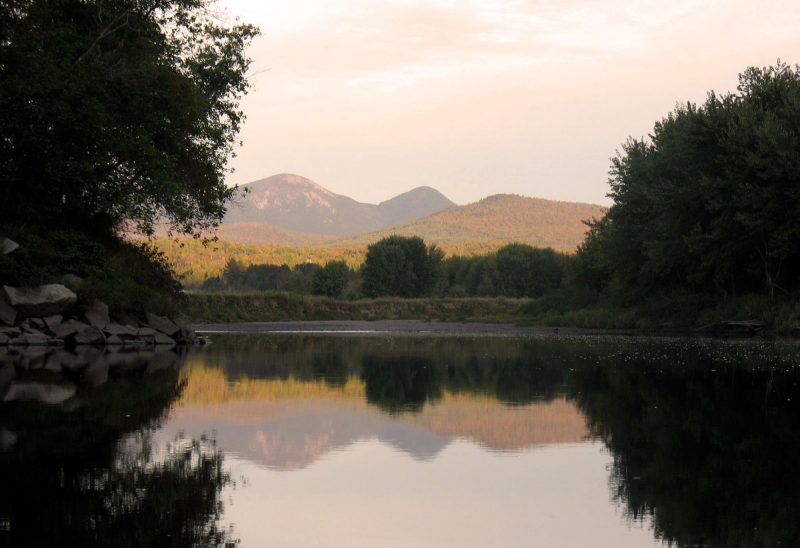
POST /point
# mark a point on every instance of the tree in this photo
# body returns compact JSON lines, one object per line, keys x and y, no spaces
{"x":401,"y":266}
{"x":115,"y":112}
{"x":710,"y":202}
{"x":526,"y":271}
{"x":331,"y":279}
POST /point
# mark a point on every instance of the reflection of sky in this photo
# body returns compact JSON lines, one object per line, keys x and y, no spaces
{"x":371,"y":495}
{"x":343,"y":473}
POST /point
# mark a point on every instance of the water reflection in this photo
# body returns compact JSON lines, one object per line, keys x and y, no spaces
{"x":78,"y":465}
{"x":702,"y":433}
{"x":704,"y":439}
{"x":464,"y":441}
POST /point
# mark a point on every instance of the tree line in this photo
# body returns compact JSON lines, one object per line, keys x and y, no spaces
{"x":403,"y":266}
{"x":709,"y":204}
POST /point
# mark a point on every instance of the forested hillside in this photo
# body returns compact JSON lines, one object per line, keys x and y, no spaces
{"x":195,"y":262}
{"x":502,"y":217}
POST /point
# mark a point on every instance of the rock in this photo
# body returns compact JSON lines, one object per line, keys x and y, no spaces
{"x":10,"y":331}
{"x":90,"y":335}
{"x":53,"y":323}
{"x":72,"y":281}
{"x":38,"y":391}
{"x":122,"y":331}
{"x":97,"y":373}
{"x":4,"y":339}
{"x":70,"y":327}
{"x":146,"y":335}
{"x":162,"y":339}
{"x":113,"y":340}
{"x":7,"y":246}
{"x":43,"y":300}
{"x":162,"y":324}
{"x":32,"y":339}
{"x":7,"y":314}
{"x":37,"y":324}
{"x":97,"y":315}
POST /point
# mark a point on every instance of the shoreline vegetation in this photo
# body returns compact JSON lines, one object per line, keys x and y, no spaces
{"x":745,"y":316}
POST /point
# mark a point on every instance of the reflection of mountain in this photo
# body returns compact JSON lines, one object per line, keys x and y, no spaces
{"x":289,"y":424}
{"x":291,"y":435}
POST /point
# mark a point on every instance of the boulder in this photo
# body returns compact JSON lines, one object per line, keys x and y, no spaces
{"x":4,"y":339}
{"x":113,"y":340}
{"x":38,"y":391}
{"x":121,"y":331}
{"x":10,"y":332}
{"x":37,"y":324}
{"x":53,"y":323}
{"x":89,"y":335}
{"x":146,"y":334}
{"x":7,"y":246}
{"x":43,"y":300}
{"x":32,"y":339}
{"x":97,"y":314}
{"x":162,"y":339}
{"x":69,"y":328}
{"x":162,"y":324}
{"x":7,"y":314}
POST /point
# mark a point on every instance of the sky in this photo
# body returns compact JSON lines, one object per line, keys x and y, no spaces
{"x":371,"y":98}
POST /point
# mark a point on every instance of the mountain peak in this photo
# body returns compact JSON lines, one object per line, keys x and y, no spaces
{"x":296,"y":203}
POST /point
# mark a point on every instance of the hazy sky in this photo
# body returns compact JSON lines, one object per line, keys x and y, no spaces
{"x":371,"y":98}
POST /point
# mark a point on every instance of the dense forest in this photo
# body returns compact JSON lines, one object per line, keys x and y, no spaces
{"x":710,"y":203}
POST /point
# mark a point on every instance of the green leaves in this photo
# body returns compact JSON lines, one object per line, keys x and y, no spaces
{"x":402,"y":267}
{"x":711,"y":201}
{"x":118,"y":114}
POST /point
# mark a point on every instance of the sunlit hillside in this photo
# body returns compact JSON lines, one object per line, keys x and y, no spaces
{"x":194,"y":261}
{"x":502,"y":217}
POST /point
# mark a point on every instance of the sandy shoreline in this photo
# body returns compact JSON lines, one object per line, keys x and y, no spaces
{"x":394,"y":328}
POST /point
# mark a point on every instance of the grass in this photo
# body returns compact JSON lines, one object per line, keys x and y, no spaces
{"x":243,"y":307}
{"x":676,"y":313}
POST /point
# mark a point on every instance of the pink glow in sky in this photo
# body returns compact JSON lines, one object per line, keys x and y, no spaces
{"x":371,"y":98}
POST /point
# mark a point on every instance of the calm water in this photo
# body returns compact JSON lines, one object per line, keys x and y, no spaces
{"x":370,"y":441}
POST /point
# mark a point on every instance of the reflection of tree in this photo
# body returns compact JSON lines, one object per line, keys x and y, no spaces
{"x":397,"y":384}
{"x":706,"y":446}
{"x":70,"y":480}
{"x":330,"y":367}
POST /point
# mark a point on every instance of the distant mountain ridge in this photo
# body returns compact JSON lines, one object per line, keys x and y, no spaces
{"x":498,"y":218}
{"x":291,"y":210}
{"x":295,"y":203}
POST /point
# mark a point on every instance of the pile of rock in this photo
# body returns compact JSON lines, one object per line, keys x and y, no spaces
{"x":35,"y":316}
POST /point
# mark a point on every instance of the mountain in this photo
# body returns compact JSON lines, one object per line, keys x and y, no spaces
{"x":294,"y":203}
{"x":498,"y":218}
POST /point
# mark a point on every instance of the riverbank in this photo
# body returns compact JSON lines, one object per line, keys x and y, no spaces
{"x":394,"y":328}
{"x":275,"y":307}
{"x":739,"y":317}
